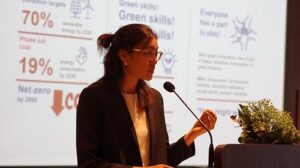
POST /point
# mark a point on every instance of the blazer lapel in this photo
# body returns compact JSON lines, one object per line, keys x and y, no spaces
{"x":124,"y":112}
{"x":151,"y":112}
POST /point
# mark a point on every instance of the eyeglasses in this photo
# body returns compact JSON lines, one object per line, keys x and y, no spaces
{"x":149,"y":53}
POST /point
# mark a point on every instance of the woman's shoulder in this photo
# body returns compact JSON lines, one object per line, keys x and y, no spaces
{"x":100,"y":86}
{"x":155,"y":93}
{"x":153,"y":90}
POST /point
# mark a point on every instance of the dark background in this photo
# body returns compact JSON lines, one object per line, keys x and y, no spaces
{"x":292,"y":65}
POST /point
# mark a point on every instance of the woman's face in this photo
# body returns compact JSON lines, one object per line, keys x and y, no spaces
{"x":141,"y":61}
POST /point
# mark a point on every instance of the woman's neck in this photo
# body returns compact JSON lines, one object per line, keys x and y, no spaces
{"x":128,"y":85}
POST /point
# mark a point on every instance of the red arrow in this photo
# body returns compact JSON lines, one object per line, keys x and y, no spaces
{"x":57,"y":102}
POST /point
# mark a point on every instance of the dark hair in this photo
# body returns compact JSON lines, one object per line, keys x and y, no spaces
{"x":126,"y":38}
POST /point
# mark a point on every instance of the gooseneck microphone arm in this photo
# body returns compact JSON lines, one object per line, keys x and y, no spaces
{"x":196,"y":117}
{"x":171,"y":88}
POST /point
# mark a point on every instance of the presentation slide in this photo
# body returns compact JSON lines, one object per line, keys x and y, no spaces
{"x":218,"y":54}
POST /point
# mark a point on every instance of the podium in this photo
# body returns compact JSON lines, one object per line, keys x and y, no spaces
{"x":257,"y":156}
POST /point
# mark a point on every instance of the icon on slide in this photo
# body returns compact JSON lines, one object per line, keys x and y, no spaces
{"x":88,"y":7}
{"x":76,"y":8}
{"x":168,"y":61}
{"x":82,"y":56}
{"x":243,"y":33}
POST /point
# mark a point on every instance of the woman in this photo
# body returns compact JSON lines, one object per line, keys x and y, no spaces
{"x":120,"y":119}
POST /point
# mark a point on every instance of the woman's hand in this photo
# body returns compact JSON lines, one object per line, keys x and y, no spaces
{"x":156,"y":166}
{"x":160,"y":166}
{"x":209,"y":119}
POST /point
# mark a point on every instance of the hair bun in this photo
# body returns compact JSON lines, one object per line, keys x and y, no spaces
{"x":105,"y":40}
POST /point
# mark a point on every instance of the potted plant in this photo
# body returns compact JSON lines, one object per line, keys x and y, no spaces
{"x":262,"y":123}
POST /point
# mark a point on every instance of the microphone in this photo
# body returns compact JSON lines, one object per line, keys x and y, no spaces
{"x":171,"y":88}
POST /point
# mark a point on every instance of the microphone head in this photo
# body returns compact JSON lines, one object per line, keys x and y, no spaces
{"x":169,"y":86}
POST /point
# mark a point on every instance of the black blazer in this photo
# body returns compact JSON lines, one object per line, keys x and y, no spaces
{"x":105,"y":134}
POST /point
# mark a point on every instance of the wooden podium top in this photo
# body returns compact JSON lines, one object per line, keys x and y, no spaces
{"x":257,"y":156}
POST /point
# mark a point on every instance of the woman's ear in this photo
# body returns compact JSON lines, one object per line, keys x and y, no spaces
{"x":123,"y":55}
